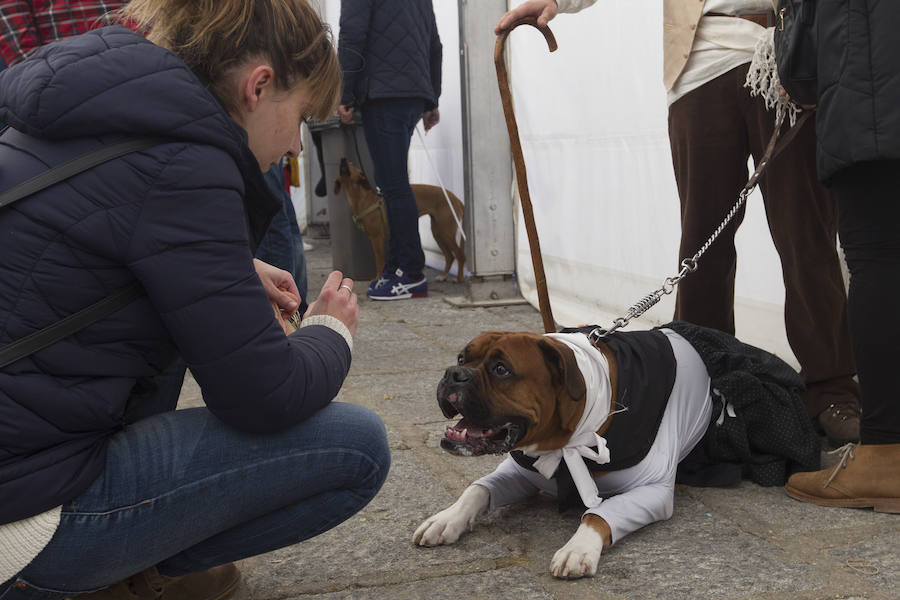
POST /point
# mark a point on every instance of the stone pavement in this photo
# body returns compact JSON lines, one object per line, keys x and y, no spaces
{"x":746,"y":542}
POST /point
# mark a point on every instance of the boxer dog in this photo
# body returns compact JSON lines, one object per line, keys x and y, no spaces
{"x":562,"y":401}
{"x":369,"y":214}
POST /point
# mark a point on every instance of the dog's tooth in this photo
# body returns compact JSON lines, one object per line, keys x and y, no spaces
{"x":465,"y":433}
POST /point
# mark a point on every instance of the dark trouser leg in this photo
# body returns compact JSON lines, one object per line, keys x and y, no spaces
{"x":185,"y":492}
{"x":803,"y":222}
{"x":869,"y":223}
{"x":388,"y":125}
{"x":709,"y":153}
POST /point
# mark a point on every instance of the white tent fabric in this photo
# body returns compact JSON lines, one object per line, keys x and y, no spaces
{"x":593,"y":121}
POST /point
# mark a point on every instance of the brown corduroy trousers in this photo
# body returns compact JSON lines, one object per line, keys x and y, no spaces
{"x":712,"y":131}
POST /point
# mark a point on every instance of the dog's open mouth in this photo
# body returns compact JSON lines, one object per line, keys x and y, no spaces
{"x":468,"y":439}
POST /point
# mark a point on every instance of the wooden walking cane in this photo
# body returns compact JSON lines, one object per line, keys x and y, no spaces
{"x":519,"y":162}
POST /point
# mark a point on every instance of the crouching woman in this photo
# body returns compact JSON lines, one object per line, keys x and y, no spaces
{"x":105,"y":489}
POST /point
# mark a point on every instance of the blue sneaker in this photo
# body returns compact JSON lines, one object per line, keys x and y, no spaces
{"x":380,"y":280}
{"x":399,"y":287}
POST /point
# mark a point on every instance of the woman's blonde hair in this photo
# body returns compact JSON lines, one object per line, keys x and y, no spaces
{"x":213,"y":37}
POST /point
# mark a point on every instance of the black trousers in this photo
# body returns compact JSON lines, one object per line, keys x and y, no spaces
{"x":868,"y":199}
{"x":713,"y":130}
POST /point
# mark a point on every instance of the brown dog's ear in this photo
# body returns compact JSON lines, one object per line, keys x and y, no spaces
{"x":337,"y":187}
{"x":561,"y":361}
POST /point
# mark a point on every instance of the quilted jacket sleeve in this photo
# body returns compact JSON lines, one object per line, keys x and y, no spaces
{"x":436,"y":58}
{"x":189,"y":249}
{"x":354,"y":23}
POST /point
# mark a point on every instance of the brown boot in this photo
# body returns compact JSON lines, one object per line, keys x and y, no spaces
{"x":840,"y":421}
{"x":214,"y":584}
{"x":866,"y":476}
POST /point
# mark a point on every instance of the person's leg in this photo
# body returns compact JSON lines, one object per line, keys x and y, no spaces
{"x":803,"y":222}
{"x":388,"y":127}
{"x":279,"y":244}
{"x":320,"y":190}
{"x":300,"y":277}
{"x":869,"y":221}
{"x":869,"y":224}
{"x":709,"y":154}
{"x":184,"y":492}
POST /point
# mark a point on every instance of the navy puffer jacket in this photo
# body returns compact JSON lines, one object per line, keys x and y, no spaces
{"x":858,"y":118}
{"x":178,"y":218}
{"x":389,"y":49}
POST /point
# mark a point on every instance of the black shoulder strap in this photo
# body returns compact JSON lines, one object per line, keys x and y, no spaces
{"x":76,"y":166}
{"x":51,"y":334}
{"x":117,"y":300}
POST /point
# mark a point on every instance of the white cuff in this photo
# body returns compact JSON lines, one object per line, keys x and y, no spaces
{"x":572,"y":6}
{"x":332,"y":323}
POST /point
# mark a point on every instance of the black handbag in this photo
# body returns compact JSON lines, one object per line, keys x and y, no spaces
{"x":795,"y":49}
{"x":117,"y":300}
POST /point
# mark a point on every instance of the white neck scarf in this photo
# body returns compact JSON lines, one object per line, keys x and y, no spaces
{"x":595,"y":370}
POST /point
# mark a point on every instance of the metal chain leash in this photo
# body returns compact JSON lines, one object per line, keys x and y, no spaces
{"x":689,"y":265}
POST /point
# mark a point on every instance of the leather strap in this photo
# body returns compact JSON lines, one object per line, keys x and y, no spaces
{"x":763,"y":19}
{"x":117,"y":300}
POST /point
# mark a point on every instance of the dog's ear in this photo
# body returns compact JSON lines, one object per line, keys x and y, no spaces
{"x":337,"y":187}
{"x":362,"y":182}
{"x":561,"y":361}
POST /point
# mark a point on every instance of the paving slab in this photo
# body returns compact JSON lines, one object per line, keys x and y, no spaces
{"x":514,"y":583}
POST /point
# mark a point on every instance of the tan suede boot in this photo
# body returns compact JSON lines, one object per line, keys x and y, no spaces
{"x":867,"y":476}
{"x":214,"y":584}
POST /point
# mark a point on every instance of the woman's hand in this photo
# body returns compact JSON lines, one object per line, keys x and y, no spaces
{"x":338,"y":300}
{"x":279,"y":285}
{"x":544,"y":10}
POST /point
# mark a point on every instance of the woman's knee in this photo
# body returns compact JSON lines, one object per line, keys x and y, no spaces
{"x":364,"y":431}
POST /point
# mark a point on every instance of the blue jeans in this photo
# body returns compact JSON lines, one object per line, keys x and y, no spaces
{"x":282,"y":245}
{"x":388,"y":125}
{"x":186,"y":493}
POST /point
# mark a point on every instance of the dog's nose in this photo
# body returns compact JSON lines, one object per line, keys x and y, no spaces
{"x":458,"y":375}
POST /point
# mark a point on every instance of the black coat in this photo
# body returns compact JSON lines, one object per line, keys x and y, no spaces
{"x":858,"y":118}
{"x":389,"y":49}
{"x":178,"y":218}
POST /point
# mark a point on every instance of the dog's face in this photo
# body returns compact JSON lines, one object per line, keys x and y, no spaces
{"x":513,"y":390}
{"x":353,"y":181}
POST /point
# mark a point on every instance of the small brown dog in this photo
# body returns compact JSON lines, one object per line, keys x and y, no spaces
{"x":370,"y":215}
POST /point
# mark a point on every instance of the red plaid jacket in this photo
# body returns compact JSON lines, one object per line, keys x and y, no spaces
{"x":25,"y":26}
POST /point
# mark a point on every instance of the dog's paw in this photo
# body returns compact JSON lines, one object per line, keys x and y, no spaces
{"x":441,"y":278}
{"x":441,"y":529}
{"x":446,"y":526}
{"x":580,"y":556}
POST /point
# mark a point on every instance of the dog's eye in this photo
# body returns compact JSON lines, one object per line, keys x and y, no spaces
{"x":460,"y":360}
{"x":500,"y":370}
